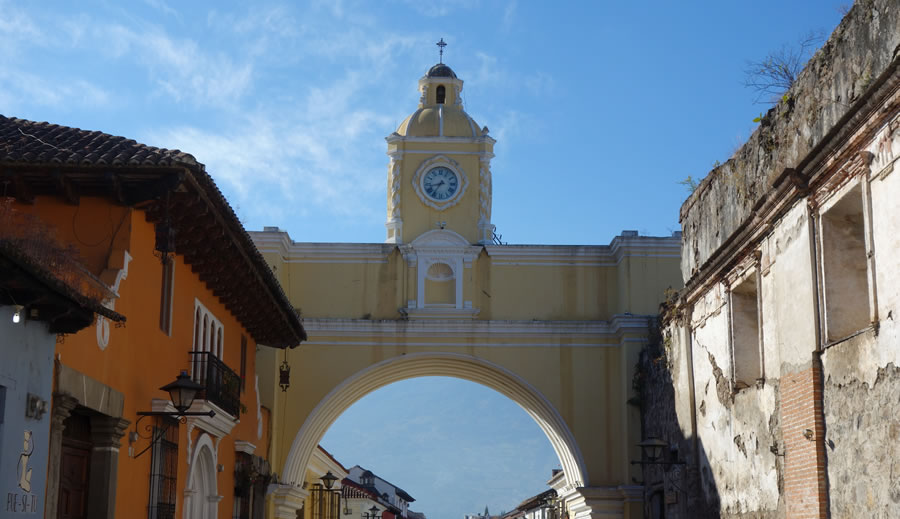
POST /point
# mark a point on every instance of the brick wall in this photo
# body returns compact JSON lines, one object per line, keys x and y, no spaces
{"x":804,"y":445}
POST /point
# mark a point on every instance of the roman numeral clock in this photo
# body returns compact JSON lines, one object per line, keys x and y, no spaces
{"x":440,"y":182}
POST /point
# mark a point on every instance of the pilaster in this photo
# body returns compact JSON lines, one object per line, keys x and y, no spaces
{"x":106,"y":432}
{"x":62,"y":408}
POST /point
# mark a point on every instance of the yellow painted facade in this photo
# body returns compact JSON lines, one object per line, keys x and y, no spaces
{"x":556,"y":328}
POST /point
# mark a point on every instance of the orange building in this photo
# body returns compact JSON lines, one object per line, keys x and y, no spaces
{"x":153,"y":228}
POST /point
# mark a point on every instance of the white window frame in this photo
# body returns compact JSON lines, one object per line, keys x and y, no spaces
{"x":749,"y":274}
{"x":862,"y":183}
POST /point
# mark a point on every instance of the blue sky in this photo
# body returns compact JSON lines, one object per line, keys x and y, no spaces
{"x":599,"y":110}
{"x":456,"y":446}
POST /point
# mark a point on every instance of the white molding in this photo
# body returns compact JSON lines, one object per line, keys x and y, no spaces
{"x":216,"y":328}
{"x":618,"y":330}
{"x":278,"y":242}
{"x":444,"y":140}
{"x":428,"y":165}
{"x":586,"y":255}
{"x":259,"y":416}
{"x":245,"y":447}
{"x":501,"y":255}
{"x":219,"y":425}
{"x":436,"y":312}
{"x":440,"y":246}
{"x":113,"y":276}
{"x":190,"y":493}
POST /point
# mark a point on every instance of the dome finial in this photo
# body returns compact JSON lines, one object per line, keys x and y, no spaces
{"x":441,"y":44}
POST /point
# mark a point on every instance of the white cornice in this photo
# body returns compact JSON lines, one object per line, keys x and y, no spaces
{"x":501,"y":255}
{"x":586,"y":255}
{"x":296,"y":252}
{"x":525,"y":333}
{"x":245,"y":447}
{"x":484,"y":139}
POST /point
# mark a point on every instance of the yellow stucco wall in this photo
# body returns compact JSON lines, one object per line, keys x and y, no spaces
{"x":374,"y":281}
{"x":556,"y":328}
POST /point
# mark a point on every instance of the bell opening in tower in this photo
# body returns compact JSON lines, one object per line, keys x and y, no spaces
{"x":441,"y":94}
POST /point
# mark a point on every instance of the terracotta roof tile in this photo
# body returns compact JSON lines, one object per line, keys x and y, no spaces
{"x":144,"y":174}
{"x":42,"y":142}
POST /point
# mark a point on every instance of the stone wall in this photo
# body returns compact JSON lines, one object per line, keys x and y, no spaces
{"x":858,"y":52}
{"x":863,"y":446}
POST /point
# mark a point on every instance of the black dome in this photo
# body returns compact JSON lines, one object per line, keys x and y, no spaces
{"x":441,"y":70}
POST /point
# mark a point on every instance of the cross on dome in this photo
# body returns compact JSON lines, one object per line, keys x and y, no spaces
{"x":441,"y":44}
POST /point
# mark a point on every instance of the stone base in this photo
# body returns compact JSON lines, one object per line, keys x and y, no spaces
{"x":287,"y":499}
{"x":623,"y":502}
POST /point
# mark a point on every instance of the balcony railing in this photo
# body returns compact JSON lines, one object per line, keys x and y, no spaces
{"x":221,"y":385}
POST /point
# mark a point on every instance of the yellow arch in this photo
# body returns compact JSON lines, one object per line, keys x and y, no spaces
{"x":455,"y":365}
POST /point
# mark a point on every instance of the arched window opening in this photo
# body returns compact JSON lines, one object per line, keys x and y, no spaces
{"x":441,"y":94}
{"x":205,"y":344}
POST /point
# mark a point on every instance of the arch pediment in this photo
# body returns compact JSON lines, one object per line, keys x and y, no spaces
{"x":440,"y":243}
{"x":439,"y":238}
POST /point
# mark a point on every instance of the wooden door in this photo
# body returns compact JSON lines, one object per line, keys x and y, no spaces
{"x":73,"y":482}
{"x":74,"y":469}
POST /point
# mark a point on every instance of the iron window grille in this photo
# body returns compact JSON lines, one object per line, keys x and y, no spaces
{"x":164,"y":469}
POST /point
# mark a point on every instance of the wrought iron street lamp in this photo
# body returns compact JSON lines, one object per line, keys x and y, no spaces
{"x":373,"y":513}
{"x":328,"y":480}
{"x":182,"y":392}
{"x":653,"y":448}
{"x":325,"y":502}
{"x":658,"y":452}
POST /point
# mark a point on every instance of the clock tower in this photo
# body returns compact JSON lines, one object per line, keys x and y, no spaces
{"x":439,"y":175}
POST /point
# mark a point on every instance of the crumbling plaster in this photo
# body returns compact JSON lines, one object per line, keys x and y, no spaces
{"x":736,"y":428}
{"x":857,"y":53}
{"x":762,"y":210}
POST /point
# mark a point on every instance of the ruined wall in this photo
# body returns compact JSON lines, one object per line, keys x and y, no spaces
{"x":810,"y":427}
{"x":662,"y":377}
{"x":856,"y":54}
{"x":735,"y":427}
{"x":863,"y":441}
{"x":862,"y":374}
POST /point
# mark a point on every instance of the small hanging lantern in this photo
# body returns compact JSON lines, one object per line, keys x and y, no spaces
{"x":165,"y":235}
{"x":165,"y":241}
{"x":284,"y":372}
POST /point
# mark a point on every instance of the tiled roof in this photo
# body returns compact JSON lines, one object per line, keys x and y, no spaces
{"x":48,"y":159}
{"x":33,"y":142}
{"x":27,"y":281}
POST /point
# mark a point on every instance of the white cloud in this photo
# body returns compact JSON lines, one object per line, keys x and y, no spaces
{"x":509,"y":16}
{"x":163,"y":7}
{"x":19,"y":86}
{"x":441,"y":8}
{"x":488,"y":71}
{"x":16,"y":24}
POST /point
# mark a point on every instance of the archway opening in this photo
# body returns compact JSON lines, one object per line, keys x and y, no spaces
{"x":434,"y":364}
{"x":456,"y":446}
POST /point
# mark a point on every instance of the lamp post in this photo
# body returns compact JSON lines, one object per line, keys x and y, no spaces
{"x":658,"y":452}
{"x":181,"y":392}
{"x":326,"y":502}
{"x":373,"y":513}
{"x":652,"y":449}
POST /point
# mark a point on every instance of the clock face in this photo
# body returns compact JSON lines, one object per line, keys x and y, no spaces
{"x":440,"y":183}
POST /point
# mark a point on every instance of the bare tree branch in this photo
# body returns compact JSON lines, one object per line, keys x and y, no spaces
{"x":773,"y":75}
